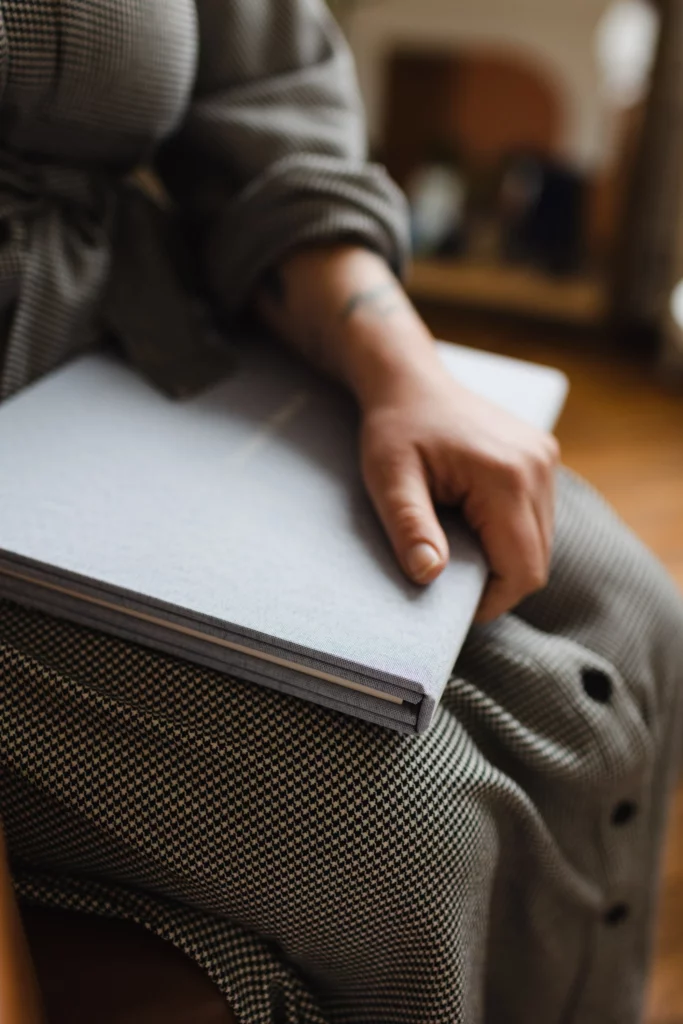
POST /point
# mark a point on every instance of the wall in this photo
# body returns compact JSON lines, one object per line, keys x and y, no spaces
{"x":558,"y":35}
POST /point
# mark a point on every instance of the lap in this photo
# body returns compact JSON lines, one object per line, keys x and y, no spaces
{"x":372,"y":858}
{"x":608,"y":593}
{"x":80,"y":705}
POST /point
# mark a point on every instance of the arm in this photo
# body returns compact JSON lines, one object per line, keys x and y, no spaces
{"x":424,"y":437}
{"x":19,"y":999}
{"x":270,"y":166}
{"x":272,"y":152}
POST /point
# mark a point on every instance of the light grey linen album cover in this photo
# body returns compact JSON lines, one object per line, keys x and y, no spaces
{"x":233,"y":530}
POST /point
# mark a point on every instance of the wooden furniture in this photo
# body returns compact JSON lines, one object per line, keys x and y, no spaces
{"x":485,"y":103}
{"x":477,"y":107}
{"x":94,"y":971}
{"x":581,"y":301}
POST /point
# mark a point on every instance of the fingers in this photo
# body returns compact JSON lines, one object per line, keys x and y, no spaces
{"x":399,"y":490}
{"x":505,"y":478}
{"x":515,"y":522}
{"x":542,"y":489}
{"x":517,"y":556}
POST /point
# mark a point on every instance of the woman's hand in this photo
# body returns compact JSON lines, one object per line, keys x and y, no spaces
{"x":425,"y":438}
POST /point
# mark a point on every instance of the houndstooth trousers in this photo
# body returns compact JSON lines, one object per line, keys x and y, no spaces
{"x":501,"y":869}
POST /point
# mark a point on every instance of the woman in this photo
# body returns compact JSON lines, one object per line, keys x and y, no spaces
{"x":501,"y":868}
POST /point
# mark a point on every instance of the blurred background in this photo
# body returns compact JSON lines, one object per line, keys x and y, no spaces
{"x":540,"y":143}
{"x":528,"y":135}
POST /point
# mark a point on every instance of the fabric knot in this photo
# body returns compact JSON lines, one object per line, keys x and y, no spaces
{"x":85,"y":255}
{"x":54,"y":262}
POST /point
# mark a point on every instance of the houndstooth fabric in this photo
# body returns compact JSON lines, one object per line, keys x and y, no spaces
{"x":249,"y":112}
{"x":501,"y":868}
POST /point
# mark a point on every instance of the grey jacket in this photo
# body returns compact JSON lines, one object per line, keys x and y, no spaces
{"x":249,"y":111}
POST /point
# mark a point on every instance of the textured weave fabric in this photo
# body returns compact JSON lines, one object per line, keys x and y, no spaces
{"x":250,"y":113}
{"x":501,"y":868}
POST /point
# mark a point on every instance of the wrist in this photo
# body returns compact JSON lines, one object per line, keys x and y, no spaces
{"x":378,"y":364}
{"x":343,"y":308}
{"x":374,"y":339}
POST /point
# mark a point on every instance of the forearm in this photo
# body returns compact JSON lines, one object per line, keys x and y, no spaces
{"x":424,"y":438}
{"x":19,"y":1000}
{"x":343,"y":309}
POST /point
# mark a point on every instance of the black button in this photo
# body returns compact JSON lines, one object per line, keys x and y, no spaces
{"x":617,"y":914}
{"x":597,"y":684}
{"x":624,"y":812}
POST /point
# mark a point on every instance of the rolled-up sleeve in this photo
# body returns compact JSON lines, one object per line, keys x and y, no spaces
{"x":272,"y":153}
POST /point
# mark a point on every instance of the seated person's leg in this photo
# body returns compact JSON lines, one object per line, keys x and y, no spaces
{"x":576,"y":699}
{"x":499,"y":868}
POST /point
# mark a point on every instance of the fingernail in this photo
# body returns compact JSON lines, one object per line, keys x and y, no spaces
{"x":422,"y":560}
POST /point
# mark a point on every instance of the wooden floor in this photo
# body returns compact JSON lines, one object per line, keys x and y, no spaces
{"x":624,"y":432}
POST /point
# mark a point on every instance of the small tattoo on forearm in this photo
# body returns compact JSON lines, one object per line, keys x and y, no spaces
{"x":381,"y":301}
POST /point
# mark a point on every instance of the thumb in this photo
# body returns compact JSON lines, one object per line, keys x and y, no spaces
{"x":398,"y":488}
